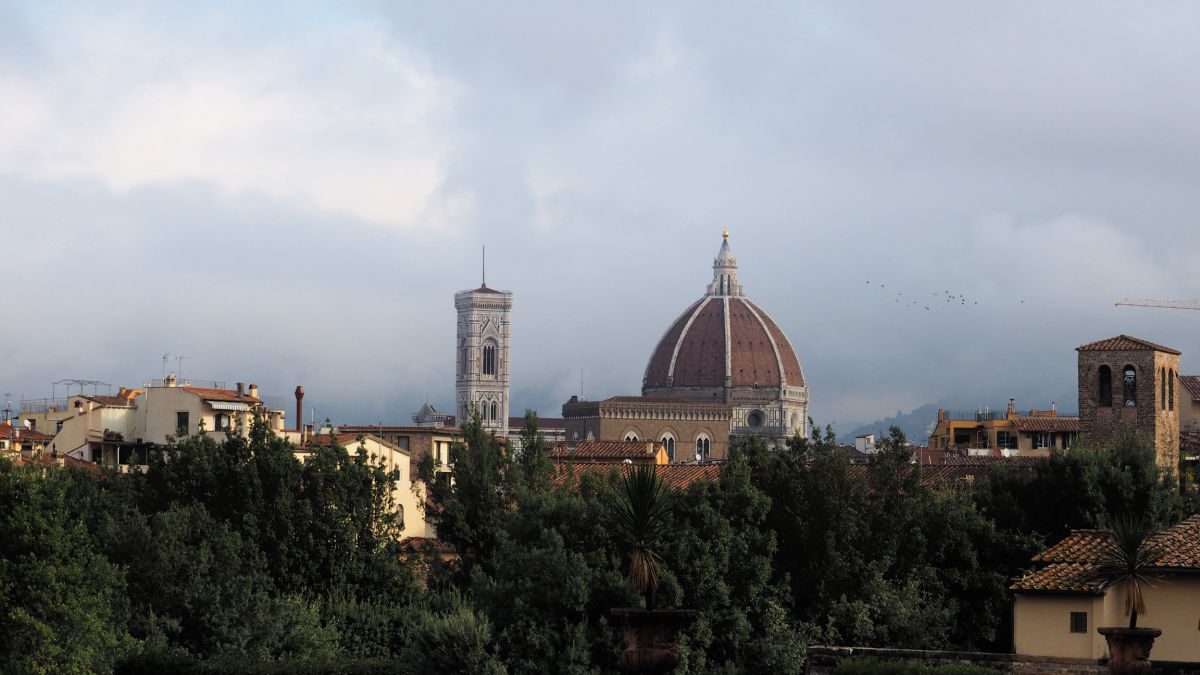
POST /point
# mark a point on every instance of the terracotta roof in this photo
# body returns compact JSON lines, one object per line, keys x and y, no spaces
{"x":24,"y":434}
{"x":1124,"y":343}
{"x":427,"y":545}
{"x":485,"y":289}
{"x":1191,"y":384}
{"x":111,"y":401}
{"x":1066,"y":566}
{"x":377,"y":428}
{"x":676,"y":476}
{"x":952,"y":459}
{"x":692,"y":353}
{"x":1052,"y":424}
{"x":606,"y":450}
{"x":227,"y":395}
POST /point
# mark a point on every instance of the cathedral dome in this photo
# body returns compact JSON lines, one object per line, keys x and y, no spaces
{"x":722,"y":340}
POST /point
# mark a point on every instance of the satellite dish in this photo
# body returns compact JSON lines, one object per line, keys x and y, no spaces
{"x":699,"y":456}
{"x":627,"y":461}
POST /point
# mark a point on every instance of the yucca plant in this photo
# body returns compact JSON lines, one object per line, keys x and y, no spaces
{"x":1129,"y":562}
{"x":640,"y":503}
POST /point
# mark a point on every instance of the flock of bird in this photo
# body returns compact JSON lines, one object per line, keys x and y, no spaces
{"x":924,"y":301}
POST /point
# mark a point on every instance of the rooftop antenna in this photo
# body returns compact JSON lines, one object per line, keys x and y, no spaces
{"x":165,"y":356}
{"x":179,"y":364}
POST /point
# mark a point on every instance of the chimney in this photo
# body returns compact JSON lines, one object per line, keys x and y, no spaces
{"x":299,"y":408}
{"x":1053,"y":409}
{"x":241,"y":389}
{"x":253,"y":391}
{"x":1012,"y":405}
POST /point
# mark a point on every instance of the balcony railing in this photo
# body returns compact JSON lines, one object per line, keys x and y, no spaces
{"x":974,"y":415}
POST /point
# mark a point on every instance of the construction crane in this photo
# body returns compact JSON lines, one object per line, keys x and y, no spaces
{"x":1169,"y":304}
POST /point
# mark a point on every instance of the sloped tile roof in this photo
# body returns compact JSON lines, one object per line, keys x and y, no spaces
{"x":111,"y":401}
{"x":1067,"y":565}
{"x":605,"y":450}
{"x":6,"y":431}
{"x":1191,"y":384}
{"x":1124,"y":343}
{"x":675,"y":476}
{"x":228,"y":395}
{"x":1051,"y":424}
{"x":991,"y":460}
{"x":427,"y":545}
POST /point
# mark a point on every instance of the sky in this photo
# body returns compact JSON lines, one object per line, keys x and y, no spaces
{"x":291,"y":193}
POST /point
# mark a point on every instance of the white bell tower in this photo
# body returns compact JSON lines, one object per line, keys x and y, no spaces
{"x":482,"y":356}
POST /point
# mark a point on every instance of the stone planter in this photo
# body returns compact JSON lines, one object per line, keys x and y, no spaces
{"x":1129,"y":649}
{"x":651,"y":637}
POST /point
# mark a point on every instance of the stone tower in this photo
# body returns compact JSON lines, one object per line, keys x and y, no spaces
{"x":482,"y":357}
{"x":1129,"y":384}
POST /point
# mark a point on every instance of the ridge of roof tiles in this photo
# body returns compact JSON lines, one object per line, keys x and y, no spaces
{"x":226,"y":395}
{"x":1125,"y":343}
{"x":675,"y":476}
{"x":606,"y":449}
{"x":1042,"y":423}
{"x":1067,"y":566}
{"x":1191,"y":384}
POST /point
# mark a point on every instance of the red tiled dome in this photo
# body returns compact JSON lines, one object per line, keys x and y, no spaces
{"x":698,"y":351}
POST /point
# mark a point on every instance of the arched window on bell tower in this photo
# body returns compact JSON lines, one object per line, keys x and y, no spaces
{"x":489,"y":358}
{"x":1104,"y":388}
{"x":1129,"y":386}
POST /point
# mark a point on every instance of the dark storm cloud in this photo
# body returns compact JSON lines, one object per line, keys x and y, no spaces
{"x":299,"y":206}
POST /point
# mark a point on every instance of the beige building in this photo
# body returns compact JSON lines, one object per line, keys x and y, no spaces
{"x":1128,"y":384}
{"x":416,"y":441}
{"x":409,"y":493}
{"x":722,"y":369}
{"x":1012,"y":433}
{"x":18,"y":441}
{"x":1057,"y":608}
{"x":116,"y":430}
{"x":1189,"y":403}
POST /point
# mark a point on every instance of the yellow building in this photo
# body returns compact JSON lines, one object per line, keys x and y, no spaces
{"x":1057,"y":608}
{"x":409,"y":493}
{"x":1008,"y":434}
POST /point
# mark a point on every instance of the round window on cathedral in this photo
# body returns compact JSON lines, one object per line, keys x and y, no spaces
{"x":754,"y":419}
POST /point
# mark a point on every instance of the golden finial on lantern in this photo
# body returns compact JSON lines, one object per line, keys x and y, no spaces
{"x":725,"y":234}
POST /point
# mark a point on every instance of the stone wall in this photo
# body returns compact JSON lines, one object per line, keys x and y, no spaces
{"x":822,"y":660}
{"x":1151,"y":416}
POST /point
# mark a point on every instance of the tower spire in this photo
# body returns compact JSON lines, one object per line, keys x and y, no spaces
{"x":725,"y":270}
{"x":483,"y":267}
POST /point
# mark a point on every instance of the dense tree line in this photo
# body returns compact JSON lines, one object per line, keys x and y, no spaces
{"x":235,"y":555}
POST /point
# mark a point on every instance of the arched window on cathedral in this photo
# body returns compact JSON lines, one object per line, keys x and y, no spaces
{"x":669,"y":441}
{"x":631,"y":437}
{"x":703,"y":445}
{"x":495,"y":412}
{"x":489,"y":358}
{"x":1129,"y":386}
{"x":1104,"y":388}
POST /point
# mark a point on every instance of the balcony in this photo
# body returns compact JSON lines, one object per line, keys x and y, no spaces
{"x":974,"y":415}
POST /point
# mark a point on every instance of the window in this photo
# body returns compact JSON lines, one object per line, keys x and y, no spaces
{"x":402,"y":442}
{"x":669,"y":441}
{"x":754,"y":419}
{"x":1006,"y":440}
{"x":489,"y":359}
{"x":1129,"y":387}
{"x":1079,"y":622}
{"x":1041,"y":439}
{"x":1162,"y":383}
{"x":1170,"y":390}
{"x":495,"y":412}
{"x":181,"y":423}
{"x":631,"y":437}
{"x":1104,"y":388}
{"x":702,"y":448}
{"x":221,"y":422}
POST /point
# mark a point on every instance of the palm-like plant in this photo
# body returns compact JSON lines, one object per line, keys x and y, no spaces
{"x":1129,"y":561}
{"x":640,"y":503}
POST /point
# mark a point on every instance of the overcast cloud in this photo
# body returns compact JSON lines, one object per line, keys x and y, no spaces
{"x":291,"y":194}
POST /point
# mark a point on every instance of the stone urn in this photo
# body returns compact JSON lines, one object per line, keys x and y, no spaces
{"x":651,"y":637}
{"x":1129,"y":649}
